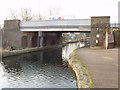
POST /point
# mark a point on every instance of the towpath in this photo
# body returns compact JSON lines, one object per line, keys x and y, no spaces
{"x":102,"y":65}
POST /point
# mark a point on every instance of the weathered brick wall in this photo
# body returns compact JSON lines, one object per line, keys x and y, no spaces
{"x":11,"y":34}
{"x":11,"y":24}
{"x":117,"y":38}
{"x":32,"y":39}
{"x":52,"y":38}
{"x":13,"y":37}
{"x":98,"y":26}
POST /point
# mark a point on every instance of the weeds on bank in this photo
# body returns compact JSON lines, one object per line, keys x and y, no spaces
{"x":84,"y":74}
{"x":87,"y":73}
{"x":74,"y":53}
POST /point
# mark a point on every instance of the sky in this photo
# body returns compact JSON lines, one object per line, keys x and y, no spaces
{"x":77,"y":9}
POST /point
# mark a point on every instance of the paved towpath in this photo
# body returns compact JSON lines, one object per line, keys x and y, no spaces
{"x":102,"y":65}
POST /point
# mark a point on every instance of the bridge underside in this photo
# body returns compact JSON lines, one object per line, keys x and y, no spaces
{"x":50,"y":31}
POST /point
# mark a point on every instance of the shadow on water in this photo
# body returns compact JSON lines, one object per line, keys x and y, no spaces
{"x":43,"y":69}
{"x":51,"y":56}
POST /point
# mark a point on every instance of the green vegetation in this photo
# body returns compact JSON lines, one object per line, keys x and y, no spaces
{"x":87,"y":73}
{"x":63,"y":42}
{"x":84,"y":74}
{"x":74,"y":53}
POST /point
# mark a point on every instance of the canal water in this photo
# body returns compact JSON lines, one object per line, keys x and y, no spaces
{"x":43,"y":69}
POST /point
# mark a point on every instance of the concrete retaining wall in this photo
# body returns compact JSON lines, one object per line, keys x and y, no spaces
{"x":0,"y":44}
{"x":81,"y":76}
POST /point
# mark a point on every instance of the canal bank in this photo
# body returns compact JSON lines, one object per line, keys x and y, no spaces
{"x":23,"y":51}
{"x":66,"y":50}
{"x":82,"y":76}
{"x":99,"y":65}
{"x":41,"y":69}
{"x":48,"y":62}
{"x":7,"y":53}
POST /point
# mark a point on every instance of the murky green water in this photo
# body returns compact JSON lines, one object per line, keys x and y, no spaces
{"x":43,"y":69}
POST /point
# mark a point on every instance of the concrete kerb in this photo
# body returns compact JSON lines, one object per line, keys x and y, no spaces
{"x":23,"y":51}
{"x":83,"y":78}
{"x":66,"y":43}
{"x":29,"y":50}
{"x":98,"y":47}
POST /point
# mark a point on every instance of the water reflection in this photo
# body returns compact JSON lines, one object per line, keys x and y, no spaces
{"x":43,"y":69}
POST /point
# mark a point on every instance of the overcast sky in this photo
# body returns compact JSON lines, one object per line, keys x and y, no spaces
{"x":79,"y":9}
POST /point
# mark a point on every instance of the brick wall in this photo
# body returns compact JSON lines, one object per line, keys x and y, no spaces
{"x":52,"y":38}
{"x":98,"y":26}
{"x":13,"y":37}
{"x":11,"y":34}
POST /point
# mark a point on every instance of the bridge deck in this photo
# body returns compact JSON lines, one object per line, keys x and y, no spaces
{"x":56,"y":25}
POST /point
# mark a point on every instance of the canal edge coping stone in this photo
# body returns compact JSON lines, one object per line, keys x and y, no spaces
{"x":82,"y":76}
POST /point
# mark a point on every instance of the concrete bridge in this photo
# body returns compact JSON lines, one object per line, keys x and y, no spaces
{"x":68,"y":25}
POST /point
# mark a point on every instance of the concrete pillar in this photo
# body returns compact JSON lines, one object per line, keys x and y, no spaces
{"x":29,"y":41}
{"x":60,"y":42}
{"x":40,"y":39}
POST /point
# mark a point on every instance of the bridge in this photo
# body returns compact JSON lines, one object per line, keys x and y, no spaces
{"x":26,"y":34}
{"x":76,"y":25}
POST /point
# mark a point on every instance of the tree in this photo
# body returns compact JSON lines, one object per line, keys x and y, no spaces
{"x":26,"y":14}
{"x":53,"y":12}
{"x":13,"y":15}
{"x":38,"y":16}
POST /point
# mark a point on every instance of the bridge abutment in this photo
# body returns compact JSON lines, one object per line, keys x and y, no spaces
{"x":98,"y":30}
{"x":13,"y":38}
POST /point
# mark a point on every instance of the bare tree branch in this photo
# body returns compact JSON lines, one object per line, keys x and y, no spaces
{"x":53,"y":12}
{"x":14,"y":15}
{"x":26,"y":14}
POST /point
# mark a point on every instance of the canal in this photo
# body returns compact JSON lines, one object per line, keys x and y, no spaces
{"x":42,"y":69}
